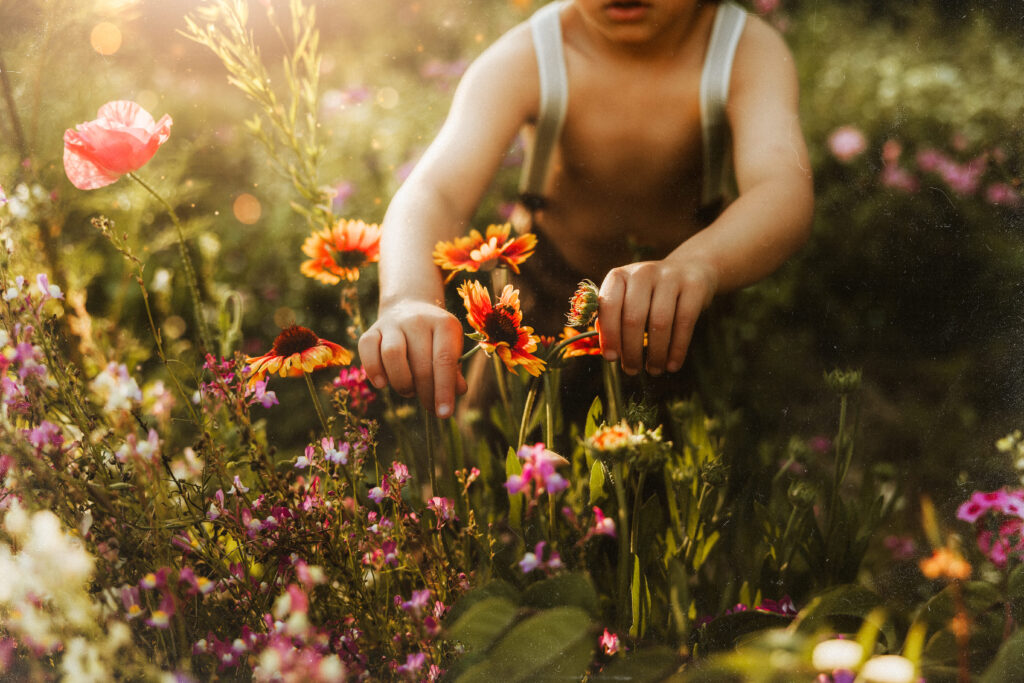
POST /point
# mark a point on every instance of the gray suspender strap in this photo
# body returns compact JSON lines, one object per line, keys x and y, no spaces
{"x":546,"y":27}
{"x":714,"y":93}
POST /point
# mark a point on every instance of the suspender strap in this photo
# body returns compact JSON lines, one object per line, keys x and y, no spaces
{"x":546,"y":27}
{"x":714,"y":93}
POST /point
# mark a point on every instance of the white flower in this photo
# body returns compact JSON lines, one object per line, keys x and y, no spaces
{"x":837,"y":654}
{"x":117,"y":387}
{"x":888,"y":669}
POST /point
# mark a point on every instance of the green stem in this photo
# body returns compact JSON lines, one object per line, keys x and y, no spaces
{"x":186,"y":262}
{"x":428,"y":434}
{"x":635,"y":527}
{"x":613,"y":390}
{"x":316,"y":403}
{"x":549,"y":409}
{"x":624,"y":567}
{"x":524,"y":423}
{"x":557,"y":348}
{"x":468,"y":354}
{"x":499,"y":368}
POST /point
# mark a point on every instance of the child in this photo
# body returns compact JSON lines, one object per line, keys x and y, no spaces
{"x":651,"y":92}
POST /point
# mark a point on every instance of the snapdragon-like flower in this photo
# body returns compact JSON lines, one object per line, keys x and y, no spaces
{"x":118,"y":389}
{"x":443,"y":508}
{"x":483,"y":252}
{"x":603,"y":526}
{"x":296,"y":351}
{"x":499,"y":327}
{"x":337,"y":455}
{"x":538,"y":559}
{"x":121,"y":139}
{"x":539,"y":474}
{"x":337,"y":253}
{"x":609,"y":643}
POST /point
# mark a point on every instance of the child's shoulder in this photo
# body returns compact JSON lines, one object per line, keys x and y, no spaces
{"x":761,"y":53}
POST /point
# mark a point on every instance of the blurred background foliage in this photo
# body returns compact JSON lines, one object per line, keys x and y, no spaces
{"x":918,"y":283}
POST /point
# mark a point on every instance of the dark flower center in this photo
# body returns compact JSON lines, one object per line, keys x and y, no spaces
{"x":294,"y":339}
{"x":499,"y":326}
{"x":350,"y":258}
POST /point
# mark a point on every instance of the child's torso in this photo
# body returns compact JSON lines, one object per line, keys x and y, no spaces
{"x":628,"y":169}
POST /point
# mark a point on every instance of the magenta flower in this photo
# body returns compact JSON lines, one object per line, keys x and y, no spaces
{"x":899,"y":178}
{"x":376,"y":494}
{"x":1003,"y":194}
{"x":536,"y":560}
{"x":443,"y":508}
{"x":258,"y":394}
{"x":603,"y":526}
{"x":847,"y":143}
{"x":538,"y":470}
{"x":609,"y":643}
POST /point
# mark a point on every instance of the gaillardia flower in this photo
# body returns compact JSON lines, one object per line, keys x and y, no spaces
{"x":337,"y":253}
{"x":297,"y":350}
{"x":122,"y":139}
{"x":483,"y":252}
{"x":589,"y":346}
{"x":583,"y":305}
{"x":499,"y":328}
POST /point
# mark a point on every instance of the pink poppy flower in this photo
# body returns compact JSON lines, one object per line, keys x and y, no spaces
{"x":122,"y":139}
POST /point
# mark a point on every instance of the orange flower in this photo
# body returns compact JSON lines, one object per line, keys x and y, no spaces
{"x":591,"y":346}
{"x":946,"y":564}
{"x":499,"y":327}
{"x":475,"y":252}
{"x":296,"y":351}
{"x":583,"y":305}
{"x":339,"y":252}
{"x":121,"y":139}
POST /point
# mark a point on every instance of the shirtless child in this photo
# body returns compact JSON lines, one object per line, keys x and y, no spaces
{"x":626,"y":169}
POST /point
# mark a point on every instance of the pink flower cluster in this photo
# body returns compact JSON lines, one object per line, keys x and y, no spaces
{"x":546,"y":560}
{"x":538,"y":475}
{"x":357,"y":388}
{"x":1002,"y":536}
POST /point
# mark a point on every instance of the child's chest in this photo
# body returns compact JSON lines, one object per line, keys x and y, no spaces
{"x":641,"y":130}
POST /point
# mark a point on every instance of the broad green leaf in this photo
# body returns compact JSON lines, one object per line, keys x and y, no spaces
{"x":726,"y":631}
{"x":491,"y":589}
{"x":554,"y":645}
{"x":848,"y":600}
{"x":643,"y":666}
{"x":481,"y":625}
{"x":597,"y":479}
{"x":977,"y":596}
{"x":1008,"y":664}
{"x":593,"y":417}
{"x":573,"y":590}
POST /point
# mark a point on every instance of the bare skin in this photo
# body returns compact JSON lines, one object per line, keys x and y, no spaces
{"x":628,"y":167}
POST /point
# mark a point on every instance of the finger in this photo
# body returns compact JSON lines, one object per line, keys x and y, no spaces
{"x":688,"y":308}
{"x":610,"y":313}
{"x":461,"y":386}
{"x":660,"y":327}
{"x":447,"y":347}
{"x":635,"y":307}
{"x":421,"y":361}
{"x":394,"y":355}
{"x":369,"y":356}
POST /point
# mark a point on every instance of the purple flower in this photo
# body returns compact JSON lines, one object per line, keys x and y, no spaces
{"x":538,"y":469}
{"x":261,"y":395}
{"x":420,"y":599}
{"x":46,"y":434}
{"x":443,"y":508}
{"x":535,"y":560}
{"x":1003,"y":194}
{"x":413,"y":663}
{"x":376,"y":494}
{"x":46,"y":289}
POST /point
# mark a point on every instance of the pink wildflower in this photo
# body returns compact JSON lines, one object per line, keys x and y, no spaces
{"x":847,"y":143}
{"x":538,"y":470}
{"x":609,"y":643}
{"x":536,"y":560}
{"x":1003,"y":194}
{"x":443,"y":508}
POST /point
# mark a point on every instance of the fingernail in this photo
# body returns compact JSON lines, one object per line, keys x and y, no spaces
{"x":673,"y":366}
{"x":654,"y":372}
{"x":379,"y":381}
{"x":444,"y":410}
{"x":610,"y":355}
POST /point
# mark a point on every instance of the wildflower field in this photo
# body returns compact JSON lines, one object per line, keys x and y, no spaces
{"x":199,"y":482}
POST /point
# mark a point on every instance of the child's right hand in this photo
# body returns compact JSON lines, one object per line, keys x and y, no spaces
{"x":415,"y":347}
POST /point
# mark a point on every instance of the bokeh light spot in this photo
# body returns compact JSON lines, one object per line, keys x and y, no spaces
{"x":174,"y":327}
{"x":105,"y":38}
{"x":284,"y":317}
{"x":247,"y":208}
{"x":387,"y":98}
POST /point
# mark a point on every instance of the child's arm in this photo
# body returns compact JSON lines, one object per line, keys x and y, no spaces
{"x":415,"y":344}
{"x":768,"y":221}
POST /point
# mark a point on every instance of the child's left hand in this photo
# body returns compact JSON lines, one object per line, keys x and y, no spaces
{"x":662,"y":298}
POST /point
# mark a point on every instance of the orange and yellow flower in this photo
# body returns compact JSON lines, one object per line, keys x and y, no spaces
{"x":483,"y":252}
{"x":591,"y":346}
{"x":297,"y":350}
{"x":337,"y":253}
{"x":583,"y":305}
{"x":500,"y":328}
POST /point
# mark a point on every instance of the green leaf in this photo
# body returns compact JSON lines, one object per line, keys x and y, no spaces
{"x":836,"y":605}
{"x":977,"y":597}
{"x":597,"y":478}
{"x":491,"y":589}
{"x":643,"y":666}
{"x":1009,"y":661}
{"x":515,"y":500}
{"x":573,"y":590}
{"x":554,"y":645}
{"x":593,"y":417}
{"x":725,"y":632}
{"x":481,"y":625}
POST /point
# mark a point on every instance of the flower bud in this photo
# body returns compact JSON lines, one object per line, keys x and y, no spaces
{"x":583,"y":305}
{"x":843,"y":382}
